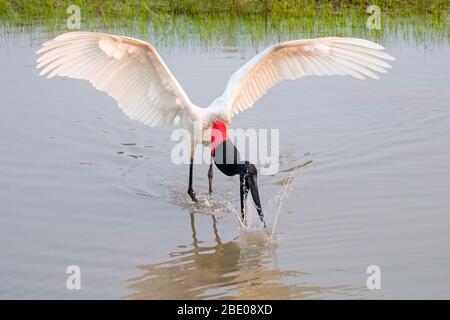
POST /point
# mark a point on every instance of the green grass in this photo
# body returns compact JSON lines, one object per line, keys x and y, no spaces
{"x":207,"y":21}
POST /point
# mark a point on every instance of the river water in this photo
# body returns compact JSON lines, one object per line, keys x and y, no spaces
{"x":367,"y":165}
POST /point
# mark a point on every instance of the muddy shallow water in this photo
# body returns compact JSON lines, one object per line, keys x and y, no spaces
{"x":367,"y":162}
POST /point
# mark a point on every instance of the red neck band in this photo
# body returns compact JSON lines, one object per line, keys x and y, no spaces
{"x":218,"y":134}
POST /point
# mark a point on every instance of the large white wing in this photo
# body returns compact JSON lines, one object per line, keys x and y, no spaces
{"x":129,"y":70}
{"x":295,"y":59}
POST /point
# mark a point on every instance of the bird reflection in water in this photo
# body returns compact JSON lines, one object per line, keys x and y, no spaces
{"x":230,"y":270}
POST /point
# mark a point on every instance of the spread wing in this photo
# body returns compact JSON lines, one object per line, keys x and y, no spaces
{"x":295,"y":59}
{"x":129,"y":70}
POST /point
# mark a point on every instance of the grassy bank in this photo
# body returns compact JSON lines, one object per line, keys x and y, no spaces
{"x":207,"y":19}
{"x":24,"y":11}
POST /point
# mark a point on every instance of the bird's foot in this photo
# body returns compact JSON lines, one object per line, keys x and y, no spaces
{"x":210,"y":189}
{"x":191,"y":193}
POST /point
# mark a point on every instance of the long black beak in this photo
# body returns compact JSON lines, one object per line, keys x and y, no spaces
{"x":249,"y":181}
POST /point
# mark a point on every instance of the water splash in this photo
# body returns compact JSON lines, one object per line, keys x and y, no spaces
{"x":144,"y":181}
{"x":207,"y":203}
{"x":282,"y":195}
{"x":252,"y":229}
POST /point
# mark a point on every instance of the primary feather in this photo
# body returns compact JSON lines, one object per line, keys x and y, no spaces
{"x":295,"y":59}
{"x":129,"y":70}
{"x":133,"y":73}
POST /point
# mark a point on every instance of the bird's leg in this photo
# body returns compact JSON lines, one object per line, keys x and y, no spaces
{"x":190,"y":191}
{"x":210,"y":175}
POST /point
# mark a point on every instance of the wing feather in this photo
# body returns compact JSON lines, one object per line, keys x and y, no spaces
{"x":129,"y":70}
{"x":358,"y":58}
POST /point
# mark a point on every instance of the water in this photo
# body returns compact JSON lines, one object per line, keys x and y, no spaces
{"x":366,"y":163}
